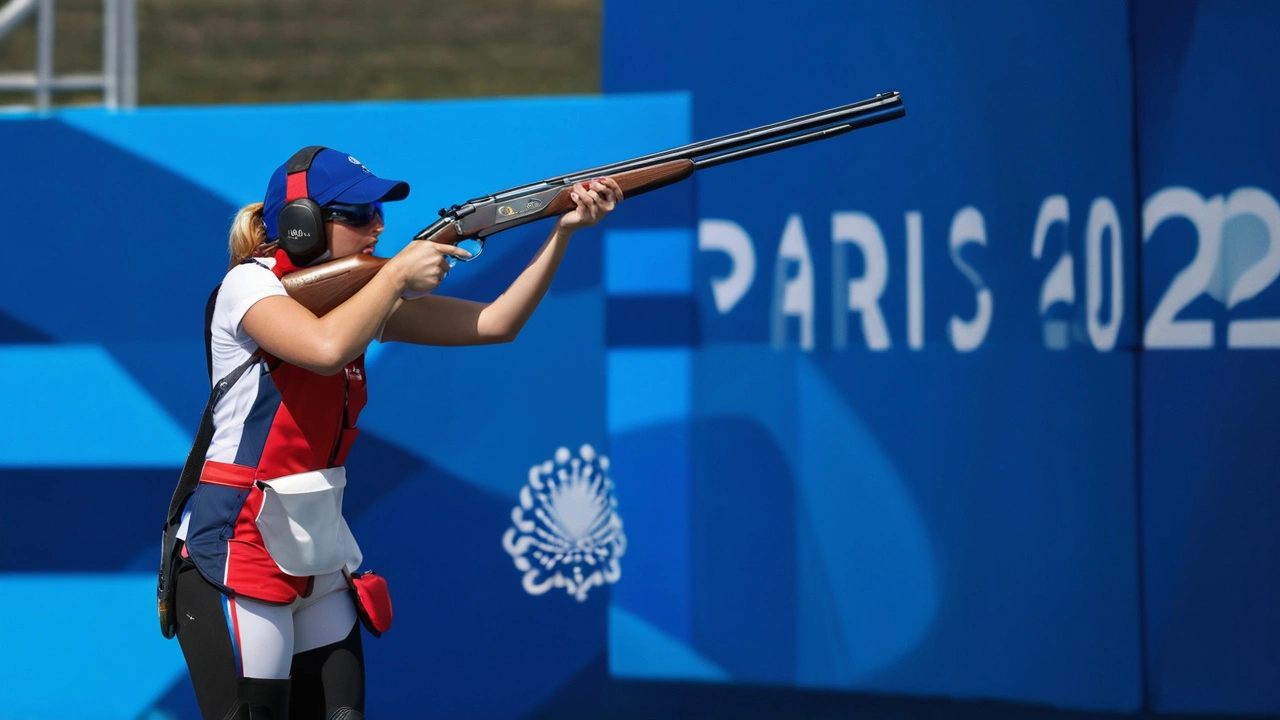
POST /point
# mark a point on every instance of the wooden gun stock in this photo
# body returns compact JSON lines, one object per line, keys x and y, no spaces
{"x":324,"y":287}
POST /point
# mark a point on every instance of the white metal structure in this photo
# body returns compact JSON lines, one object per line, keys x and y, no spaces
{"x":118,"y":80}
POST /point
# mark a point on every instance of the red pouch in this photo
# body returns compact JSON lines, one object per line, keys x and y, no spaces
{"x":372,"y":599}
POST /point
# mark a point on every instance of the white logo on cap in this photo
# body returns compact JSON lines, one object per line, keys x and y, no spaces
{"x":357,"y":162}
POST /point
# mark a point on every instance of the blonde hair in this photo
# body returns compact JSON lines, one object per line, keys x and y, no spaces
{"x":249,"y":235}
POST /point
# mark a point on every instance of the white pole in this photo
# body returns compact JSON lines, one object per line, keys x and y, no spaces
{"x":129,"y":54}
{"x":111,"y":53}
{"x":44,"y":54}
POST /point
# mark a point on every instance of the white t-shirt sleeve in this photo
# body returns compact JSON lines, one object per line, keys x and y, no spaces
{"x":243,"y":286}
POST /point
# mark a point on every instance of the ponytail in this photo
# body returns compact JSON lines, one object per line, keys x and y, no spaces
{"x":249,"y":235}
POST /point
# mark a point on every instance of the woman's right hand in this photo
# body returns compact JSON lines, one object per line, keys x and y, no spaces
{"x":423,"y":264}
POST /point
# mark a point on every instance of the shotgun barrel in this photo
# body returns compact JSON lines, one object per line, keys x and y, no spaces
{"x":882,"y":107}
{"x":703,"y":154}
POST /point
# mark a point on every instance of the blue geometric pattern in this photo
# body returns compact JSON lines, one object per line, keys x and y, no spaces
{"x":640,"y":650}
{"x":83,"y":645}
{"x":648,"y":262}
{"x":81,"y":409}
{"x":105,"y":354}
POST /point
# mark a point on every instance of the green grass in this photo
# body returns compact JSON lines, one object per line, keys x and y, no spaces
{"x":201,"y":52}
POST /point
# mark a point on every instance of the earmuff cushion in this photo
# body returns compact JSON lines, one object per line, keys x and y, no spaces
{"x":302,"y":231}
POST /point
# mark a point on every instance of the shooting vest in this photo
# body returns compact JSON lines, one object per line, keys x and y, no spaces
{"x":264,"y":524}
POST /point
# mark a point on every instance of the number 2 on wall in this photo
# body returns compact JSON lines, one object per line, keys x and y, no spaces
{"x":1239,"y":263}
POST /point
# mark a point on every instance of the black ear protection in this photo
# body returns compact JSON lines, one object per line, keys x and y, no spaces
{"x":300,"y":223}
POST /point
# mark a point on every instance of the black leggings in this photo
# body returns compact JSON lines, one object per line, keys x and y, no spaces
{"x":327,"y":682}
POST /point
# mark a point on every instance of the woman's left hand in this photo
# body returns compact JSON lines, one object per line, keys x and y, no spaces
{"x":592,"y":202}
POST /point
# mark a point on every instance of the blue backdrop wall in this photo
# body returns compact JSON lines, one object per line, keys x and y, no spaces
{"x":1210,"y":397}
{"x":979,"y":403}
{"x":896,"y":385}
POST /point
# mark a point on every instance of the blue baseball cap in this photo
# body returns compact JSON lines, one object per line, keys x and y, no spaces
{"x":333,"y":177}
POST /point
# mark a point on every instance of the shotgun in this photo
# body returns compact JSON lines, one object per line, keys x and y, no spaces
{"x":326,"y":286}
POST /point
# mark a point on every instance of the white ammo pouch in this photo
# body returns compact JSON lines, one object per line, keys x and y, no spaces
{"x":302,"y":525}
